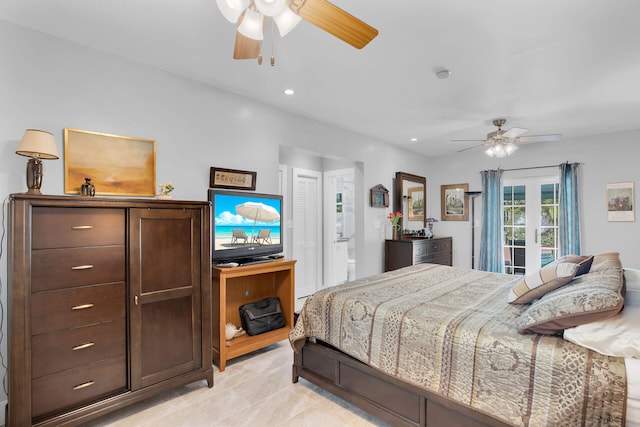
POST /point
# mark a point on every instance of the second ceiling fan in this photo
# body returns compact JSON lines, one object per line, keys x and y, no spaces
{"x":502,"y":143}
{"x":250,"y":15}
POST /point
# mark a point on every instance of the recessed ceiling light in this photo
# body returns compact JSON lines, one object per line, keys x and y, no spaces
{"x":289,"y":91}
{"x":414,"y":139}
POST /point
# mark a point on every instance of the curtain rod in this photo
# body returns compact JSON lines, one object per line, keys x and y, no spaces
{"x":532,"y":167}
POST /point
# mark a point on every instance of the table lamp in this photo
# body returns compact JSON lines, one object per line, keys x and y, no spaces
{"x":38,"y":145}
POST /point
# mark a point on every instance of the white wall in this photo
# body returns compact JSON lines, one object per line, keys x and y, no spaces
{"x":604,"y":159}
{"x":50,"y":84}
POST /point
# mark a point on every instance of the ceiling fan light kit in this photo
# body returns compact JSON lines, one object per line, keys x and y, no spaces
{"x":251,"y":25}
{"x":502,"y":143}
{"x":252,"y":14}
{"x":232,"y":9}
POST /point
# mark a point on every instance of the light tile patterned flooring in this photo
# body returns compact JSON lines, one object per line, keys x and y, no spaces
{"x":254,"y":390}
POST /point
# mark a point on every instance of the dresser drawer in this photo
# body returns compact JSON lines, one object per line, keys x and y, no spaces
{"x":68,"y":308}
{"x":439,"y":245}
{"x":57,"y":351}
{"x":64,"y":268}
{"x":76,"y":227}
{"x":73,"y":387}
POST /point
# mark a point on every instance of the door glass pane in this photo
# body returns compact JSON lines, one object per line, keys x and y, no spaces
{"x":514,"y":229}
{"x":548,"y":223}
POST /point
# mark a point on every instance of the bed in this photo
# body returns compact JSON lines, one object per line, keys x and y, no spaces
{"x":432,"y":345}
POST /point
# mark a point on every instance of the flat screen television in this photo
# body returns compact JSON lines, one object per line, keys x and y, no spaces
{"x":245,"y":227}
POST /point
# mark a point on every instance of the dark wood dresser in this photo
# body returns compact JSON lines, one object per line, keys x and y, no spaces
{"x":405,"y":252}
{"x":109,"y":302}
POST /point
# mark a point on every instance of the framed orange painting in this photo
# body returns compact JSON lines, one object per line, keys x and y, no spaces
{"x":116,"y":165}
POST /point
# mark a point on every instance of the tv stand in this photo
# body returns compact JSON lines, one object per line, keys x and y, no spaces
{"x":233,"y":287}
{"x":256,"y":260}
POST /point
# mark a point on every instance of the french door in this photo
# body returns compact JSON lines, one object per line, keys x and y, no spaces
{"x":530,"y":223}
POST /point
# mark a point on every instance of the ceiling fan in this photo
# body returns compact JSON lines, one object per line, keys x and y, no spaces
{"x":502,"y":143}
{"x":251,"y":16}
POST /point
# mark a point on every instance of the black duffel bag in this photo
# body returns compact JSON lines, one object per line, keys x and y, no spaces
{"x":261,"y":316}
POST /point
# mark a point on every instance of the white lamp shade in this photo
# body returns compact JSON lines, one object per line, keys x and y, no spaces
{"x":270,"y":7}
{"x":232,"y":9}
{"x":251,"y":25}
{"x":286,"y":21}
{"x":38,"y":144}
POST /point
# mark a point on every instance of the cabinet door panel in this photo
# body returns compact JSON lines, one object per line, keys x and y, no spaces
{"x":165,"y":293}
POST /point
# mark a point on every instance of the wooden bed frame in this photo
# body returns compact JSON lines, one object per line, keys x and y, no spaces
{"x":386,"y":397}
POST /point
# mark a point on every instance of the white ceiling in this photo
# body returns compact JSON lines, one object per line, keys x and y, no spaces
{"x":551,"y":66}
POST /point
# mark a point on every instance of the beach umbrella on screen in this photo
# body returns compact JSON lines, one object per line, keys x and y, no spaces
{"x":257,"y":212}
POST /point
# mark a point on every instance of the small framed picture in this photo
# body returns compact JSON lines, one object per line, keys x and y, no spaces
{"x":415,"y":196}
{"x":379,"y":197}
{"x":620,"y":202}
{"x":232,"y":178}
{"x":454,"y":204}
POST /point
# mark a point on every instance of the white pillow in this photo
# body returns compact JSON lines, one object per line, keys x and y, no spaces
{"x":619,"y":335}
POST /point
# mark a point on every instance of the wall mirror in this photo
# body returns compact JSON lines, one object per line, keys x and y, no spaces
{"x":410,"y":198}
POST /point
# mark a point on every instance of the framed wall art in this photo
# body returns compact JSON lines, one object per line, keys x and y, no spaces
{"x":415,"y":203}
{"x":232,"y":178}
{"x":379,"y":196}
{"x":454,"y":204}
{"x":116,"y":165}
{"x":620,"y":202}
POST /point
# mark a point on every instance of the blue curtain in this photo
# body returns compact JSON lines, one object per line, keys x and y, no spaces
{"x":568,"y":215}
{"x":491,"y":240}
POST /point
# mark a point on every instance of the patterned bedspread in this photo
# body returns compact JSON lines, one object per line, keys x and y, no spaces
{"x":451,"y":331}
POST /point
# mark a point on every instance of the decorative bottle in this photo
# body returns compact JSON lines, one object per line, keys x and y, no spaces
{"x":87,"y":189}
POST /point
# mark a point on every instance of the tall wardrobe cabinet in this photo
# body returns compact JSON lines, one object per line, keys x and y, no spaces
{"x":109,"y":303}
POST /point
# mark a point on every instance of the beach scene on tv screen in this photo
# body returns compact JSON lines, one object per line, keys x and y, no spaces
{"x":246,"y":221}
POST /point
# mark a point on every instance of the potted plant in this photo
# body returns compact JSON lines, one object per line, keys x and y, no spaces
{"x":165,"y":191}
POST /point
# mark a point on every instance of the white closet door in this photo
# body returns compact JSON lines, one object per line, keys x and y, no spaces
{"x":307,"y":230}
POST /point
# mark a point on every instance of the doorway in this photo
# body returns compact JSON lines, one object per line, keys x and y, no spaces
{"x":530,"y":223}
{"x":321,"y":231}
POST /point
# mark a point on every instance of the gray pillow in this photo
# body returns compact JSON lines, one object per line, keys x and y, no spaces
{"x":588,"y":298}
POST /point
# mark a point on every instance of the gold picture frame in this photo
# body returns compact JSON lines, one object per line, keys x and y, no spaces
{"x":415,"y":203}
{"x":454,"y":203}
{"x":116,"y":165}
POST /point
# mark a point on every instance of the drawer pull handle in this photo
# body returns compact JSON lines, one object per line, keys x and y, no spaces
{"x":82,"y":267}
{"x":82,"y":227}
{"x":82,"y":307}
{"x":83,"y":385}
{"x":83,"y":346}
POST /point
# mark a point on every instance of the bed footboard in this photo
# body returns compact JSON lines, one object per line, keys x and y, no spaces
{"x":384,"y":396}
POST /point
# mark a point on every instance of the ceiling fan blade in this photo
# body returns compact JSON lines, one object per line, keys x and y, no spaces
{"x":469,"y":140}
{"x":471,"y":148}
{"x":539,"y":138}
{"x":513,"y":132}
{"x":335,"y":21}
{"x":246,"y":48}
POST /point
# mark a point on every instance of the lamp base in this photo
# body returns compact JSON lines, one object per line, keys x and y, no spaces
{"x":34,"y":176}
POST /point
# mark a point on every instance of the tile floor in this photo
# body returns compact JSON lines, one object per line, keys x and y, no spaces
{"x":254,"y":390}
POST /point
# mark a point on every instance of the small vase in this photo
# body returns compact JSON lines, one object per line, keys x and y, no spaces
{"x":164,"y":197}
{"x":395,"y":233}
